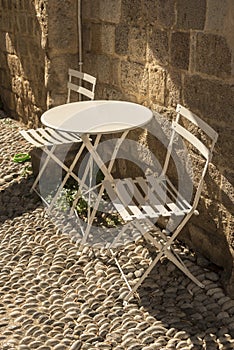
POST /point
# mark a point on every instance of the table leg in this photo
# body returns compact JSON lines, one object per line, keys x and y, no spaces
{"x":105,"y":170}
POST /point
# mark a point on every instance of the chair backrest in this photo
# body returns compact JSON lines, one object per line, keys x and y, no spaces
{"x":82,"y":83}
{"x":190,"y":129}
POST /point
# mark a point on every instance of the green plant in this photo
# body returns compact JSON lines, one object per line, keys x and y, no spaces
{"x":67,"y":197}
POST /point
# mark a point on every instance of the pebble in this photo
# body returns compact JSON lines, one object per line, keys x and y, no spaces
{"x":8,"y":178}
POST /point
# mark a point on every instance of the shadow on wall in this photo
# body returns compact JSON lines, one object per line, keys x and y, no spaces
{"x":24,"y":65}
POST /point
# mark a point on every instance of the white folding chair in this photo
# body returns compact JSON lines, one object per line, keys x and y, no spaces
{"x":48,"y":139}
{"x":143,"y":200}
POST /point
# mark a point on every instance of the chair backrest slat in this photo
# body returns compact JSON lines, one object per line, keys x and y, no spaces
{"x":191,"y":138}
{"x":197,"y":121}
{"x":81,"y":75}
{"x":177,"y":128}
{"x":78,"y":87}
{"x":81,"y":90}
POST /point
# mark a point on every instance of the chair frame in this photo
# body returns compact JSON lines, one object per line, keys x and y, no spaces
{"x":139,"y":209}
{"x":48,"y":139}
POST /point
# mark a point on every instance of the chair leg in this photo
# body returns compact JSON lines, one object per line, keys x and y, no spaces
{"x":171,"y":256}
{"x":164,"y":250}
{"x":42,"y":169}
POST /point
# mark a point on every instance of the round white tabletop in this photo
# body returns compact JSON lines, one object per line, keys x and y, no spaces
{"x":94,"y":117}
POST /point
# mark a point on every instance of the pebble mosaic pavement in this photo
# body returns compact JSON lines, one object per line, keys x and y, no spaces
{"x":53,"y":298}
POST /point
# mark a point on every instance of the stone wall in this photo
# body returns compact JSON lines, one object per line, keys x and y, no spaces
{"x":156,"y":52}
{"x":38,"y":42}
{"x":23,"y":31}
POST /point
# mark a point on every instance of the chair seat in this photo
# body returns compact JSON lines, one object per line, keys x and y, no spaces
{"x":48,"y":137}
{"x":149,"y":197}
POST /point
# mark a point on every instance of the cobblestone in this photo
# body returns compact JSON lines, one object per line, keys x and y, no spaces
{"x":53,"y":298}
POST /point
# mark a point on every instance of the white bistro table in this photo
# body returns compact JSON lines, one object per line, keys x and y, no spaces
{"x":96,"y":117}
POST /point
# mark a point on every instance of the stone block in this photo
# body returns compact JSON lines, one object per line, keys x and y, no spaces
{"x":108,"y":39}
{"x":96,"y":43}
{"x":23,"y":47}
{"x":166,"y":12}
{"x":104,"y":69}
{"x":110,"y":10}
{"x":36,"y":53}
{"x":23,"y":23}
{"x":137,"y":44}
{"x":224,"y":150}
{"x":157,"y":83}
{"x":210,"y":98}
{"x":227,"y":191}
{"x":90,"y":65}
{"x":191,"y":14}
{"x":216,"y":15}
{"x":134,"y":78}
{"x":30,"y":23}
{"x":131,"y":11}
{"x":161,"y":12}
{"x":91,"y":10}
{"x":212,"y":55}
{"x":57,"y":80}
{"x":2,"y":40}
{"x":173,"y":88}
{"x":62,"y":15}
{"x":5,"y":23}
{"x":158,"y":46}
{"x":9,"y":99}
{"x":4,"y":78}
{"x":121,"y":39}
{"x":115,"y":72}
{"x":86,"y":38}
{"x":149,"y":11}
{"x":180,"y":49}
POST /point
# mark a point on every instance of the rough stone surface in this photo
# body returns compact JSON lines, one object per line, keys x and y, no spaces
{"x":180,"y":50}
{"x":158,"y":47}
{"x":121,"y":39}
{"x":191,"y":14}
{"x":131,"y":74}
{"x":213,"y":56}
{"x":110,"y":10}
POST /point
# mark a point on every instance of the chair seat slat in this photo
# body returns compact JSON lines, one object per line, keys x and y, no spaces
{"x":38,"y":135}
{"x":116,"y":201}
{"x":63,"y":137}
{"x":136,"y":212}
{"x":148,"y":191}
{"x":137,"y":194}
{"x":49,"y":138}
{"x":158,"y":189}
{"x":30,"y":139}
{"x":150,"y":212}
